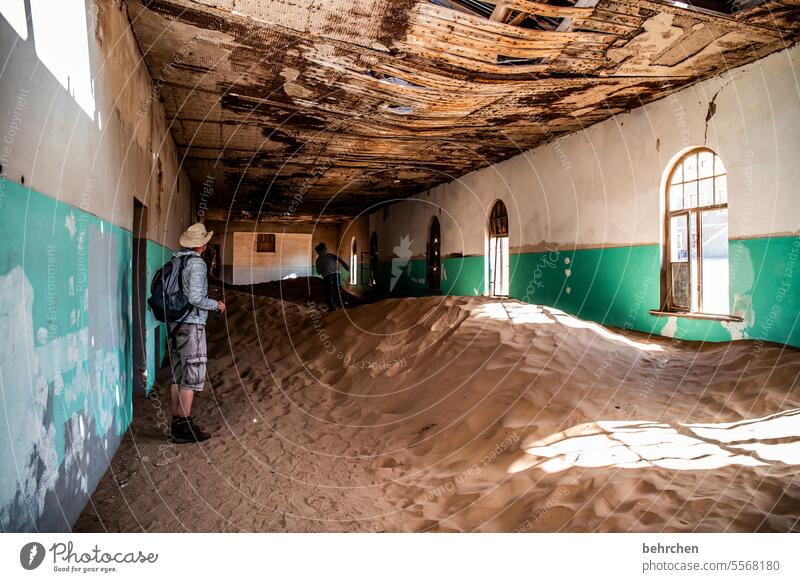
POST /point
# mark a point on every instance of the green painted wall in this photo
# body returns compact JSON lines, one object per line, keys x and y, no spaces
{"x":408,"y":278}
{"x":65,"y":366}
{"x":619,"y":286}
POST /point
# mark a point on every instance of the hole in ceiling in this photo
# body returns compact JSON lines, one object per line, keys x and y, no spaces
{"x":536,"y":22}
{"x":727,"y":7}
{"x":384,"y":78}
{"x":512,"y":17}
{"x":518,"y":61}
{"x":400,"y":109}
{"x":484,"y":9}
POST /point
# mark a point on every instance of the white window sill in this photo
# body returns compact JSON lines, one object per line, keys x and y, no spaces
{"x":695,"y":315}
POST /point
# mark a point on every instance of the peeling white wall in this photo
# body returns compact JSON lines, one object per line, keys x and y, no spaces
{"x":98,"y":161}
{"x":240,"y":267}
{"x":602,"y":186}
{"x":291,"y":258}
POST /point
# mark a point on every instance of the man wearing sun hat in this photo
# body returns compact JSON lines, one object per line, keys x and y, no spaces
{"x":188,"y":347}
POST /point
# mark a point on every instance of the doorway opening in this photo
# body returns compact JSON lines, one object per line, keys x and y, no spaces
{"x":498,"y":250}
{"x":353,"y":262}
{"x":435,"y":257}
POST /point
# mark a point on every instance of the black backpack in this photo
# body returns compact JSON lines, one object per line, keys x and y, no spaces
{"x":167,"y":299}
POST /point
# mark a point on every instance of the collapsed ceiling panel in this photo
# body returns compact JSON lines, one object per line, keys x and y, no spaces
{"x":298,"y":110}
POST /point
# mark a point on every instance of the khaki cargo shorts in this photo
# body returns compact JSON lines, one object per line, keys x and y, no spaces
{"x":188,"y":356}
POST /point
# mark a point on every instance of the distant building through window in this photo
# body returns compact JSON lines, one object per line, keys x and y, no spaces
{"x":696,"y":231}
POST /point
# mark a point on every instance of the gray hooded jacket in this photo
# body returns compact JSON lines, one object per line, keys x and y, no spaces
{"x":195,"y":285}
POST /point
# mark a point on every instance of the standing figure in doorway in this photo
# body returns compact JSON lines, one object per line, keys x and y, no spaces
{"x":188,"y":338}
{"x":328,"y":266}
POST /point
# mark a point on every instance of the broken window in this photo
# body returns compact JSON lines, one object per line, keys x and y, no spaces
{"x":715,"y":6}
{"x":265,"y":243}
{"x":498,"y":220}
{"x":696,"y":229}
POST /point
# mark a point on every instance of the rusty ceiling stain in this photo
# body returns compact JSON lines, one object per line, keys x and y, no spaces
{"x":301,"y":110}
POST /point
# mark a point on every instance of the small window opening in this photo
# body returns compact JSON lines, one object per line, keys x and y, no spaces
{"x":265,"y":243}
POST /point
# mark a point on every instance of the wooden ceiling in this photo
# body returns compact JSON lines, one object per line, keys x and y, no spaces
{"x":301,"y":110}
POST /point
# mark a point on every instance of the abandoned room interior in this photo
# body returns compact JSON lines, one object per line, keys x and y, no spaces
{"x":573,"y":237}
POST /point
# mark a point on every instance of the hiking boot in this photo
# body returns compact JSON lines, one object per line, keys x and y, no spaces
{"x":185,"y":431}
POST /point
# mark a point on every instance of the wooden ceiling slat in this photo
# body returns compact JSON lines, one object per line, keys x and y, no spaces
{"x":383,"y":98}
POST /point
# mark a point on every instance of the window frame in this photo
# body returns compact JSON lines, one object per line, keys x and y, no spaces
{"x":266,"y":238}
{"x":687,"y":211}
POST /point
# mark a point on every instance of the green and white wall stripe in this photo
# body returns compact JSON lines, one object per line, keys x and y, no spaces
{"x":586,"y":212}
{"x":69,"y":173}
{"x":618,"y":286}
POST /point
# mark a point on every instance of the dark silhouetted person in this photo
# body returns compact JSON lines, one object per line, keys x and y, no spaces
{"x":328,"y":267}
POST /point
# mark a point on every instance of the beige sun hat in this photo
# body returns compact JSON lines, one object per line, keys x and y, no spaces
{"x":195,"y":236}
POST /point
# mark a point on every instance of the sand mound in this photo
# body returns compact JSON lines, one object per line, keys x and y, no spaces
{"x":302,"y":290}
{"x":465,"y":414}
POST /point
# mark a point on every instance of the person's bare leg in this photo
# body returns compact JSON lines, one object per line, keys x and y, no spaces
{"x":175,"y":399}
{"x":186,"y":398}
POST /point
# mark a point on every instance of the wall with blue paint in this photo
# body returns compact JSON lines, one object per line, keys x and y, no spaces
{"x":586,"y":212}
{"x":82,"y":137}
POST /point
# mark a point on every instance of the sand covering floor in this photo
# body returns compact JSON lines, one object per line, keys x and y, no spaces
{"x":463,"y":414}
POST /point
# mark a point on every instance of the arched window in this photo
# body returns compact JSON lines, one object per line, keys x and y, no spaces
{"x":353,"y":262}
{"x":696,"y":230}
{"x":373,"y":259}
{"x":498,"y":250}
{"x":435,"y":257}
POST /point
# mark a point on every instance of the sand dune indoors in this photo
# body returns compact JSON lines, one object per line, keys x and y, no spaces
{"x":464,"y":414}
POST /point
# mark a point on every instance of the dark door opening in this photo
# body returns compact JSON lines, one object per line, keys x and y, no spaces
{"x":139,"y":298}
{"x":157,"y":347}
{"x":435,"y":257}
{"x":373,"y":259}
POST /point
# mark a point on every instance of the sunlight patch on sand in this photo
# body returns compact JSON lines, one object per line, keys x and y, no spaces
{"x":636,"y":444}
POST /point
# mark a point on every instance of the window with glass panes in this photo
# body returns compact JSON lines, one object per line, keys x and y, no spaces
{"x":353,"y":262}
{"x":697,"y":234}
